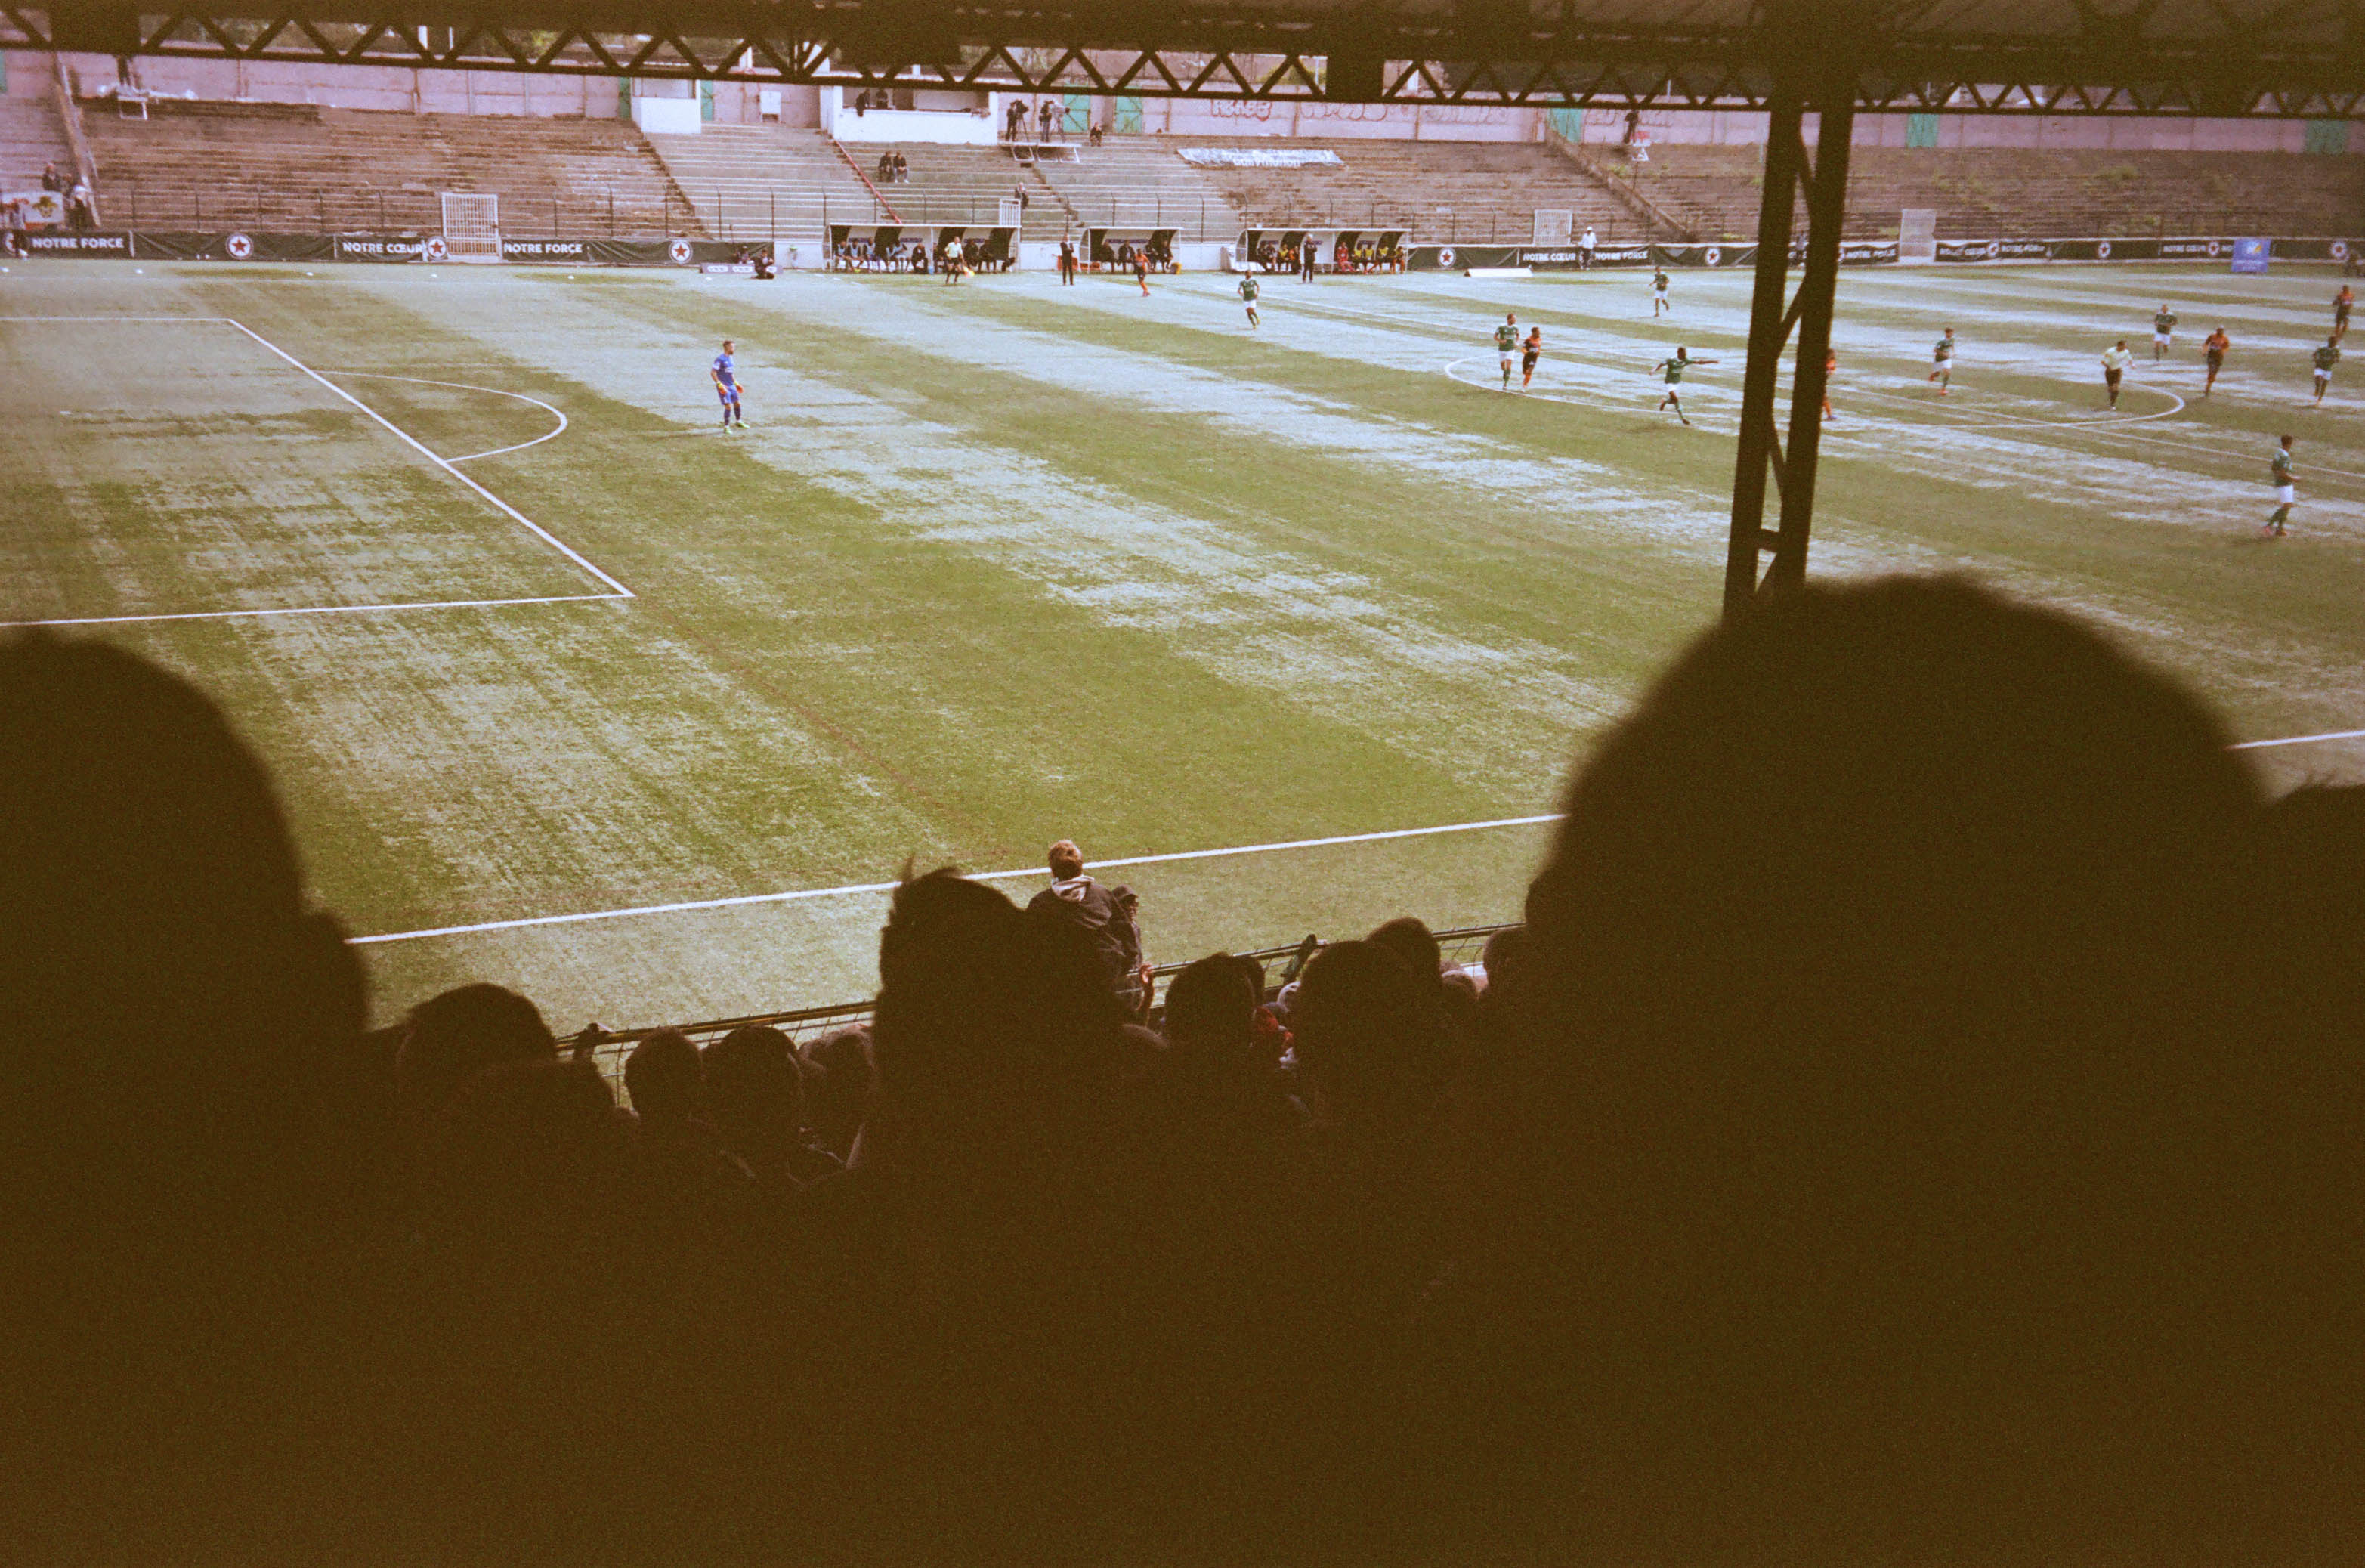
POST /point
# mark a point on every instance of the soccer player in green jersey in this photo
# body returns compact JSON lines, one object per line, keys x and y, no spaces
{"x":1659,"y":293}
{"x":1249,"y":292}
{"x":2163,"y":332}
{"x":1942,"y":363}
{"x":2281,"y":478}
{"x":2114,"y":365}
{"x":1673,"y":369}
{"x":2325,"y":358}
{"x":1507,"y":345}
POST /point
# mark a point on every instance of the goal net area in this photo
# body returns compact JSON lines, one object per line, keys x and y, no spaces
{"x":472,"y":227}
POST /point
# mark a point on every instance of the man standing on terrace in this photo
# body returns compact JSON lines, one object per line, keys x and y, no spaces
{"x":1105,"y":916}
{"x":1585,"y":248}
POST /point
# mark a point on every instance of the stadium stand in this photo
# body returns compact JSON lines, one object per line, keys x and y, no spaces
{"x":303,"y":168}
{"x":955,"y":184}
{"x":759,"y":181}
{"x":31,"y":137}
{"x":1136,"y":183}
{"x":1476,"y":192}
{"x":1992,"y":191}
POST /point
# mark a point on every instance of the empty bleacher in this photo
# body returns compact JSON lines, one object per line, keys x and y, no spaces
{"x":30,"y":136}
{"x":1981,"y":192}
{"x":303,"y":168}
{"x":1134,"y":183}
{"x":1462,"y":192}
{"x":750,"y":182}
{"x":966,"y":185}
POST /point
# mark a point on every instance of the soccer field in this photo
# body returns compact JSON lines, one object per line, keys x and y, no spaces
{"x":525,"y":636}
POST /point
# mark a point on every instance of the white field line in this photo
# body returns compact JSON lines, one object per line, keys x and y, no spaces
{"x":2300,"y":740}
{"x":463,"y":386}
{"x":216,"y":319}
{"x":415,"y":445}
{"x":317,"y":610}
{"x":801,"y":894}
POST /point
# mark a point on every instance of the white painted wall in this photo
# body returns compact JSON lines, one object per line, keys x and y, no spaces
{"x":666,"y":116}
{"x":960,"y":127}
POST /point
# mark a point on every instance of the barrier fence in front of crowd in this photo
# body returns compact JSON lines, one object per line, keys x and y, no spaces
{"x":607,"y":1048}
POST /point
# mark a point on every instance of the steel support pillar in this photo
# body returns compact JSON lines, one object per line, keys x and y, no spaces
{"x":1775,"y":314}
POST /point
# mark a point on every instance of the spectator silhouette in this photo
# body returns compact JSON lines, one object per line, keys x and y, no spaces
{"x":183,"y":1035}
{"x":460,"y":1034}
{"x":1892,"y":1101}
{"x":755,"y":1094}
{"x":840,"y":1079}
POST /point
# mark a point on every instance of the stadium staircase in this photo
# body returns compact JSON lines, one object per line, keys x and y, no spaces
{"x":762,"y":182}
{"x":302,"y":168}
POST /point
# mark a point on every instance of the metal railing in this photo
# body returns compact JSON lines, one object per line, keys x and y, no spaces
{"x":574,"y":214}
{"x":608,"y":1049}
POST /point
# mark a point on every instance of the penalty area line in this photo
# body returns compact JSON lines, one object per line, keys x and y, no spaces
{"x":803,"y":894}
{"x":317,"y":610}
{"x":444,"y":463}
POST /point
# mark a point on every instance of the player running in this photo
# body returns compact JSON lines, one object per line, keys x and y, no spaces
{"x":1250,"y":289}
{"x":1942,"y":363}
{"x":2114,"y":365}
{"x":725,"y":373}
{"x":1659,"y":293}
{"x":2163,"y":332}
{"x":2213,"y":350}
{"x":2280,"y":476}
{"x":1530,"y":351}
{"x":2342,"y":303}
{"x":1142,"y":270}
{"x":1830,"y":364}
{"x":1673,"y":369}
{"x":1507,"y":345}
{"x":2325,"y":358}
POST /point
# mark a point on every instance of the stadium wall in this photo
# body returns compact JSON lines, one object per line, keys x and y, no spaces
{"x":2126,"y":133}
{"x":402,"y":89}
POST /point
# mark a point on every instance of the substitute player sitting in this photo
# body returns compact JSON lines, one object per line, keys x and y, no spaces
{"x":2213,"y":351}
{"x":1673,"y":369}
{"x":1942,"y":363}
{"x":726,"y":387}
{"x":2163,"y":332}
{"x":1507,"y":345}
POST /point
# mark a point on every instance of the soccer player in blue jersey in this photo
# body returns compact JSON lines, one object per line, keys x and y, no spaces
{"x":726,"y":387}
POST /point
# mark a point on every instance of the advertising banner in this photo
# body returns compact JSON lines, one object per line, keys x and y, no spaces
{"x":2313,"y":250}
{"x":40,"y":207}
{"x":90,"y":244}
{"x":2251,"y":255}
{"x":380,"y":247}
{"x":544,"y":252}
{"x":182,"y":245}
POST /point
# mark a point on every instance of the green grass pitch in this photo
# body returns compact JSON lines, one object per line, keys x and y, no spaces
{"x":1006,"y":562}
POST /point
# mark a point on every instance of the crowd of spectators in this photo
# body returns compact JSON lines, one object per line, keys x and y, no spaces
{"x":1918,"y":1120}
